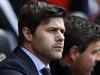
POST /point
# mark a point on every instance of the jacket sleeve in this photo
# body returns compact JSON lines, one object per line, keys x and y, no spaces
{"x":12,"y":67}
{"x":10,"y":72}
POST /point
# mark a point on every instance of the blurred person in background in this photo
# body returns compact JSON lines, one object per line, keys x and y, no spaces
{"x":82,"y":45}
{"x":8,"y":22}
{"x":94,"y":9}
{"x":97,"y":67}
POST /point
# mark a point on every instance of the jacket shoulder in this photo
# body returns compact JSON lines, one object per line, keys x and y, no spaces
{"x":11,"y":66}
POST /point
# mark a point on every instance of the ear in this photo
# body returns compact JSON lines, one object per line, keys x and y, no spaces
{"x":74,"y":52}
{"x":27,"y":34}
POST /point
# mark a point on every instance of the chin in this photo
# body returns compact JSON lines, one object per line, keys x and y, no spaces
{"x":58,"y":56}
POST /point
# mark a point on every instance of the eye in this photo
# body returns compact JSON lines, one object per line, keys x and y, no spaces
{"x":52,"y":29}
{"x":62,"y":31}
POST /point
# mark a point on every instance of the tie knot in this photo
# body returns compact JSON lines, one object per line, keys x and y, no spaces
{"x":45,"y":71}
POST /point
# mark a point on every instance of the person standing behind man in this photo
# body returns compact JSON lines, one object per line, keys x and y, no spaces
{"x":41,"y":39}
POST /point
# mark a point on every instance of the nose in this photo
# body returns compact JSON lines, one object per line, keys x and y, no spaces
{"x":60,"y":36}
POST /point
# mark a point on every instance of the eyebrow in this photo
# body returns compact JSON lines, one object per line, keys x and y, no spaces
{"x":95,"y":51}
{"x":58,"y":28}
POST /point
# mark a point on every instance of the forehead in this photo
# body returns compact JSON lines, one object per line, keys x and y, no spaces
{"x":93,"y":47}
{"x":56,"y":22}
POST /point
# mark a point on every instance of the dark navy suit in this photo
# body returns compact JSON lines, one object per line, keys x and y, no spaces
{"x":18,"y":63}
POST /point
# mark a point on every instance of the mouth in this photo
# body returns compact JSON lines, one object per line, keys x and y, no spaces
{"x":59,"y":48}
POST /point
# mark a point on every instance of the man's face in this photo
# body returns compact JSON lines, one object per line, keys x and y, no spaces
{"x":48,"y":40}
{"x":85,"y":62}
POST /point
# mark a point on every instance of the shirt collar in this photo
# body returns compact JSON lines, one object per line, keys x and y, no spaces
{"x":39,"y":64}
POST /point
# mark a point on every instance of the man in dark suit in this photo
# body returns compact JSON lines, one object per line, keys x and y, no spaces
{"x":41,"y":39}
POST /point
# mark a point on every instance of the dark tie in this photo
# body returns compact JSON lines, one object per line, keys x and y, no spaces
{"x":45,"y":71}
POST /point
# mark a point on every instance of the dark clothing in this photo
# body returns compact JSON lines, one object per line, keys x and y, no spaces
{"x":18,"y":64}
{"x":96,"y":70}
{"x":57,"y":68}
{"x":45,"y":71}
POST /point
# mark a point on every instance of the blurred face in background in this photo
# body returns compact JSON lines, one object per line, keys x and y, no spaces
{"x":85,"y":62}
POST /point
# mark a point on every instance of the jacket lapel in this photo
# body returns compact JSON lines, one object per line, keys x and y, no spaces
{"x":27,"y":61}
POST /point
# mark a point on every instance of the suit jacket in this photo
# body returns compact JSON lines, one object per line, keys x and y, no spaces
{"x":18,"y":63}
{"x":96,"y":70}
{"x":57,"y":68}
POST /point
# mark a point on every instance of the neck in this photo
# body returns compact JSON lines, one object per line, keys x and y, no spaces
{"x":29,"y":47}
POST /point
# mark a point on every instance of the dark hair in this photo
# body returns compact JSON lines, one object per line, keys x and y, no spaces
{"x":34,"y":13}
{"x":80,"y":32}
{"x":97,"y":20}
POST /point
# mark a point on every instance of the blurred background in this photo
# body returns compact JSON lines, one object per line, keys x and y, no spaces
{"x":8,"y":26}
